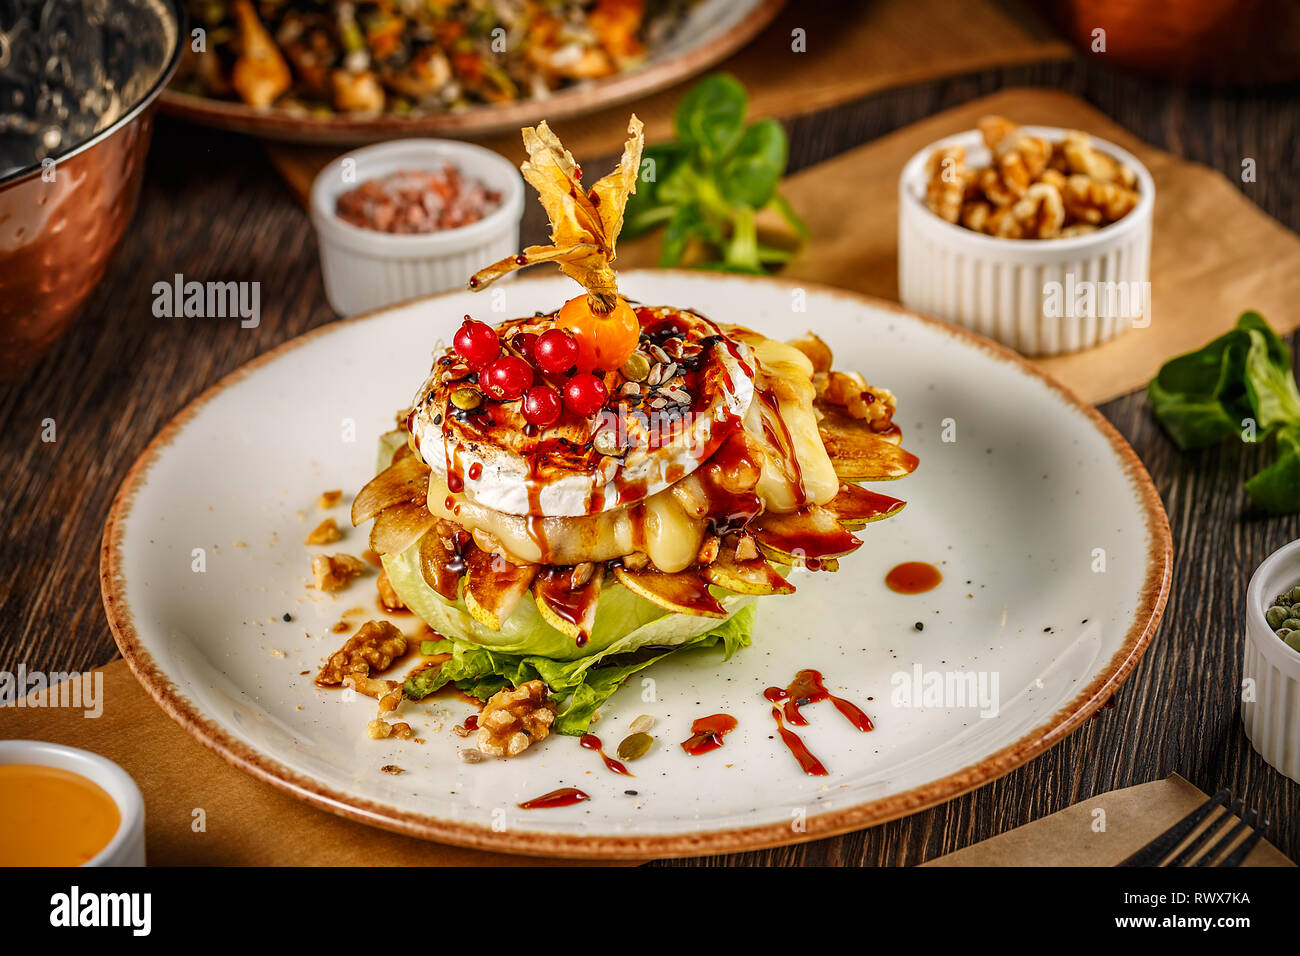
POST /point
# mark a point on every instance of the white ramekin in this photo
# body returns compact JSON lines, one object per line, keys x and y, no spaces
{"x":996,"y":286}
{"x":1270,"y":707}
{"x":127,"y":846}
{"x":365,"y":269}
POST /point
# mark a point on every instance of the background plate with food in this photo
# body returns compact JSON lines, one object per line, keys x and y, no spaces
{"x":357,"y":72}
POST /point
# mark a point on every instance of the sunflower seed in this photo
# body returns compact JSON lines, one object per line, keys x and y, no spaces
{"x":656,"y":376}
{"x":606,"y":441}
{"x":470,"y":756}
{"x":657,"y":402}
{"x":641,"y":725}
{"x":660,"y":354}
{"x":631,"y":389}
{"x":678,"y":395}
{"x":669,"y":371}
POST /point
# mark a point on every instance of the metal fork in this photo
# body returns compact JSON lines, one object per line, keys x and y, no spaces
{"x":1155,"y":852}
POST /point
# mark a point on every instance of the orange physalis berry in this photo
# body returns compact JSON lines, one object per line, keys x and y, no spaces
{"x":604,"y":341}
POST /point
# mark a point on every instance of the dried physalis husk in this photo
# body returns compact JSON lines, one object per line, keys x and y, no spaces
{"x":584,"y":223}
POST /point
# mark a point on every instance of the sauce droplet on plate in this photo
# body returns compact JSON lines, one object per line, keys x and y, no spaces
{"x":707,"y":733}
{"x":565,"y":797}
{"x":592,"y":742}
{"x":913,"y":577}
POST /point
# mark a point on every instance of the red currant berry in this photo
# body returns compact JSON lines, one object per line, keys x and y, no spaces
{"x":523,"y":343}
{"x":542,"y":405}
{"x":585,"y":394}
{"x":556,"y":351}
{"x":476,"y":343}
{"x":507,"y":378}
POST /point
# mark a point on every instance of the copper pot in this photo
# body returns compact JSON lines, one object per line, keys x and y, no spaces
{"x":59,"y":227}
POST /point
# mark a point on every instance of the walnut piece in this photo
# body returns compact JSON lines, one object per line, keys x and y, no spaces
{"x":330,"y":572}
{"x":1033,"y":189}
{"x":948,"y":177}
{"x":328,"y":499}
{"x":388,"y":594}
{"x":369,"y":651}
{"x":515,"y":719}
{"x":327,"y":532}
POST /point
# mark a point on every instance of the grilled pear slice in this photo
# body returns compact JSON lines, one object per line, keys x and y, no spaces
{"x":570,"y":610}
{"x":494,"y":587}
{"x":804,"y":538}
{"x":441,"y":567}
{"x":399,"y":526}
{"x":855,"y":507}
{"x":862,"y":455}
{"x":754,"y":576}
{"x":407,"y":479}
{"x":685,"y":592}
{"x":835,"y":419}
{"x":858,"y":453}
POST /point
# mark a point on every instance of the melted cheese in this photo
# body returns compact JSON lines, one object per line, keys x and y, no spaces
{"x":787,"y":374}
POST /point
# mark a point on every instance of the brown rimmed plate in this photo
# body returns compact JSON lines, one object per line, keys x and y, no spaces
{"x":711,"y":32}
{"x":1053,"y":545}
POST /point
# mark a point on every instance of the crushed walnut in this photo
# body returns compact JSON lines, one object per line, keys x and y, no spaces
{"x":1034,"y":189}
{"x":328,"y":499}
{"x":330,"y":572}
{"x":513,"y":720}
{"x":367,"y":652}
{"x":327,"y":532}
{"x":388,"y":594}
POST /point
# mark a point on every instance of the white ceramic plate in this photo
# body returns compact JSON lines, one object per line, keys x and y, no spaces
{"x":1053,"y":544}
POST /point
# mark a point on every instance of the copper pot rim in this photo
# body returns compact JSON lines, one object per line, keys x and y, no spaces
{"x":130,"y":115}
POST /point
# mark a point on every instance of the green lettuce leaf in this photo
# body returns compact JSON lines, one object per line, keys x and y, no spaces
{"x":579,"y":687}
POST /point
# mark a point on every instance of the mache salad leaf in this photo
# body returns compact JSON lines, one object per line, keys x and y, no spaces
{"x":1241,"y":385}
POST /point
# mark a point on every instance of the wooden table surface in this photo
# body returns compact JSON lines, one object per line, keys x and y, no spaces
{"x":213,"y":209}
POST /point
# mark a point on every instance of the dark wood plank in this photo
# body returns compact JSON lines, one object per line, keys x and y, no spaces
{"x":212,"y":209}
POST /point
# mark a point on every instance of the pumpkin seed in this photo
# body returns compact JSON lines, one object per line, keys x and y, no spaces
{"x":467,"y":399}
{"x":634,"y":746}
{"x":636,"y":368}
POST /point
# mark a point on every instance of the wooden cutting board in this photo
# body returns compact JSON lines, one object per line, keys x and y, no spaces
{"x":850,"y":50}
{"x":1214,"y":253}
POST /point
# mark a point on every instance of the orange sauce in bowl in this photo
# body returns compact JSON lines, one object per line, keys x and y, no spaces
{"x":52,"y":817}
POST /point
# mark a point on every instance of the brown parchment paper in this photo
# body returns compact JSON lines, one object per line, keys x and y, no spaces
{"x":1214,"y":254}
{"x":850,"y":49}
{"x":248,"y":822}
{"x":1132,"y":818}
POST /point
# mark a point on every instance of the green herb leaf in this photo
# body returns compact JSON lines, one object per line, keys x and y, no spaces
{"x":1216,"y":392}
{"x":711,"y":116}
{"x":1277,"y":487}
{"x":749,"y":176}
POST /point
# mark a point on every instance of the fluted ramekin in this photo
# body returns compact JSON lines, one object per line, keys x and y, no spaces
{"x":997,"y":287}
{"x":126,"y":848}
{"x":365,"y":269}
{"x":1270,"y":706}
